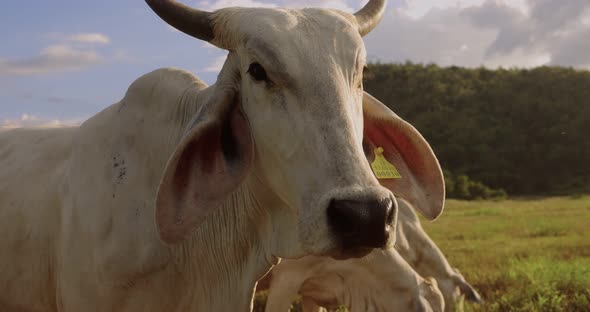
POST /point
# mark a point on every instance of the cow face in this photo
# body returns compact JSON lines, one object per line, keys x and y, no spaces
{"x":288,"y":111}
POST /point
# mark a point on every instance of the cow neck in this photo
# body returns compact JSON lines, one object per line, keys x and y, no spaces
{"x":217,"y":268}
{"x":224,"y":258}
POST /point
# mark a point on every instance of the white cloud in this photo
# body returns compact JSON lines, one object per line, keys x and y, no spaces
{"x":54,"y":58}
{"x":553,"y":30}
{"x":83,"y":38}
{"x":332,"y":4}
{"x":212,"y":5}
{"x":32,"y":121}
{"x":70,"y":52}
{"x":89,"y":38}
{"x":419,"y":8}
{"x":442,"y":36}
{"x":219,"y":4}
{"x":216,"y":65}
{"x":507,"y":33}
{"x":492,"y":33}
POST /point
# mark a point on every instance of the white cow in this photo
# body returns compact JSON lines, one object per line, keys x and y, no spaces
{"x":380,"y":282}
{"x":181,"y":196}
{"x":377,"y":281}
{"x":428,"y":260}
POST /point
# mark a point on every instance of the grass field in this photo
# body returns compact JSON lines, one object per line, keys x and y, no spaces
{"x":521,"y":254}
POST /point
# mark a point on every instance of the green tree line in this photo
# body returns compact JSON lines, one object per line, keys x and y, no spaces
{"x":526,"y":131}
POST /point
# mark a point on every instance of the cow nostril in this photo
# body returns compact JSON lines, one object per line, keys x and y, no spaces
{"x":342,"y":218}
{"x":362,"y":223}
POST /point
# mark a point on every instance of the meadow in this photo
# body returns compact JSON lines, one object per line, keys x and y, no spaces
{"x":528,"y":254}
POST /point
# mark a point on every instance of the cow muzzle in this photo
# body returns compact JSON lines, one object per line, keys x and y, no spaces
{"x":360,"y":225}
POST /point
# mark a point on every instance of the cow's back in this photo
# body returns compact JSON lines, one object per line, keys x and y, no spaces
{"x":32,"y":165}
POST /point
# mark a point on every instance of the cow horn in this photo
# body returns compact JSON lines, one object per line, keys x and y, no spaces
{"x":369,"y":16}
{"x":190,"y":21}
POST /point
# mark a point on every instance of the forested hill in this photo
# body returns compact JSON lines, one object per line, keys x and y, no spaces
{"x":526,"y":131}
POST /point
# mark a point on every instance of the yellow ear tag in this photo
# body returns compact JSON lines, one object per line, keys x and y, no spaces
{"x":382,"y":168}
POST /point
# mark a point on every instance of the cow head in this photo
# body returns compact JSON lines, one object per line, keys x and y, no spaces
{"x":381,"y":281}
{"x":288,"y":109}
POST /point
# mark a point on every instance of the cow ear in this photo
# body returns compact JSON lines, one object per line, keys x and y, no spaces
{"x":402,"y":151}
{"x":210,"y":162}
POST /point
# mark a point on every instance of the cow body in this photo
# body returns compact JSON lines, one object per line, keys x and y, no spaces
{"x":80,"y":237}
{"x":32,"y":171}
{"x":181,"y":196}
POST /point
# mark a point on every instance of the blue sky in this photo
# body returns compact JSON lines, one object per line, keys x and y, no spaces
{"x":94,"y":73}
{"x":63,"y":61}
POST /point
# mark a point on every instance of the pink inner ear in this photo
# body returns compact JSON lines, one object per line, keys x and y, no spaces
{"x":217,"y":176}
{"x":200,"y":176}
{"x":421,"y":180}
{"x":210,"y":158}
{"x":398,"y":148}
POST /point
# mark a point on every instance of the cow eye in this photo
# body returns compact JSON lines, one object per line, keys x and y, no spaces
{"x":257,"y":72}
